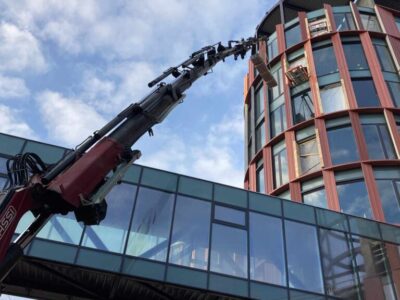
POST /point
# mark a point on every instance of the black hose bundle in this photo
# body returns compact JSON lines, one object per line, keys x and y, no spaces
{"x":22,"y":166}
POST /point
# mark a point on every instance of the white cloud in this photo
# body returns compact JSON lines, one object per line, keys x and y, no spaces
{"x":211,"y":157}
{"x":12,"y":123}
{"x":19,"y":50}
{"x":68,"y":121}
{"x":12,"y":87}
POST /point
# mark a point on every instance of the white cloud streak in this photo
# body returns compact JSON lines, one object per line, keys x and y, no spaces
{"x":12,"y":123}
{"x":12,"y":87}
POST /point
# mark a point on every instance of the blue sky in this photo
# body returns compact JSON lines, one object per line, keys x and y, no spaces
{"x":66,"y":67}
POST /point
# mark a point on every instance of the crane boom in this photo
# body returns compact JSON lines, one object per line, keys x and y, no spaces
{"x":78,"y":182}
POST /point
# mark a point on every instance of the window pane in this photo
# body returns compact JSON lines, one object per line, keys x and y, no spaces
{"x":342,"y":145}
{"x":394,"y":88}
{"x":344,"y":21}
{"x":48,"y":153}
{"x":260,"y":180}
{"x":281,"y":168}
{"x":151,"y":222}
{"x":267,"y":261}
{"x":325,"y":61}
{"x":378,"y":142}
{"x":304,"y":266}
{"x":372,"y":268}
{"x":385,"y":58}
{"x":277,"y":90}
{"x":397,"y":20}
{"x":353,"y":199}
{"x":303,"y":108}
{"x":316,"y":198}
{"x":3,"y":165}
{"x":370,"y":23}
{"x":278,"y":120}
{"x":390,"y":200}
{"x":365,"y":91}
{"x":2,"y":183}
{"x":309,"y":156}
{"x":229,"y":251}
{"x":339,"y":273}
{"x":190,"y":233}
{"x":332,"y":98}
{"x":272,"y":49}
{"x":355,"y":57}
{"x":260,"y":136}
{"x":259,"y":101}
{"x":111,"y":234}
{"x":293,"y":36}
{"x":230,"y":215}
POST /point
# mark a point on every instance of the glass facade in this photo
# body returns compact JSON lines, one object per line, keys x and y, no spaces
{"x":344,"y":21}
{"x":325,"y":60}
{"x":302,"y":106}
{"x":342,"y":145}
{"x":370,"y":22}
{"x":365,"y":92}
{"x":176,"y":229}
{"x":354,"y":199}
{"x":281,"y":175}
{"x":293,"y":36}
{"x":355,"y":56}
{"x":332,"y":98}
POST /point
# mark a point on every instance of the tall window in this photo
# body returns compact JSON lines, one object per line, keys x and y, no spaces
{"x":397,"y":20}
{"x":353,"y":194}
{"x":260,"y":136}
{"x":341,"y":140}
{"x":384,"y":56}
{"x":259,"y":100}
{"x":325,"y":60}
{"x":355,"y":56}
{"x":260,"y":178}
{"x":313,"y":192}
{"x":344,"y":21}
{"x":280,"y":164}
{"x":302,"y":106}
{"x":332,"y":98}
{"x":278,"y":120}
{"x":259,"y":117}
{"x":370,"y":22}
{"x":388,"y":182}
{"x":277,"y":104}
{"x":272,"y":47}
{"x":365,"y":92}
{"x":377,"y":137}
{"x":293,"y":36}
{"x":309,"y":159}
{"x":394,"y":89}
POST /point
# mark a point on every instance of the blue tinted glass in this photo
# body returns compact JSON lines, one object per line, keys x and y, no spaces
{"x":151,"y":223}
{"x":390,"y":200}
{"x":49,"y":154}
{"x":190,"y":233}
{"x":62,"y":229}
{"x":293,"y":36}
{"x":304,"y":266}
{"x":260,"y":180}
{"x":355,"y":57}
{"x":344,"y":21}
{"x":353,"y":199}
{"x":272,"y":49}
{"x":267,"y":261}
{"x":339,"y":273}
{"x":10,"y":145}
{"x":2,"y":182}
{"x":342,"y":145}
{"x":385,"y":58}
{"x":259,"y":101}
{"x":229,"y":251}
{"x":394,"y":88}
{"x":325,"y":61}
{"x":111,"y":234}
{"x":303,"y":107}
{"x":365,"y":91}
{"x":230,"y":215}
{"x":3,"y":165}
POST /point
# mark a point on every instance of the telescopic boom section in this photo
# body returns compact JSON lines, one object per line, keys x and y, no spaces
{"x":71,"y":184}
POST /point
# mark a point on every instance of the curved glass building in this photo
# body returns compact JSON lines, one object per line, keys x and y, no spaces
{"x":328,"y":133}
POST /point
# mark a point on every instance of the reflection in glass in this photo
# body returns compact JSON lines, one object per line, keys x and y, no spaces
{"x":229,"y":251}
{"x":2,"y":183}
{"x":278,"y":120}
{"x":353,"y":199}
{"x":342,"y":145}
{"x":293,"y":36}
{"x":260,"y":136}
{"x":372,"y":265}
{"x":281,"y":174}
{"x":339,"y":273}
{"x":277,"y":90}
{"x":111,"y":234}
{"x":272,"y":49}
{"x":3,"y":165}
{"x":344,"y":21}
{"x":332,"y":98}
{"x":355,"y":56}
{"x":394,"y":88}
{"x":190,"y":233}
{"x":316,"y":198}
{"x":267,"y":261}
{"x":379,"y":142}
{"x":260,"y":180}
{"x":370,"y":23}
{"x":385,"y":58}
{"x":325,"y":61}
{"x":230,"y":215}
{"x":304,"y":265}
{"x":365,"y":92}
{"x":62,"y":229}
{"x":303,"y":108}
{"x":151,"y":223}
{"x":390,"y":197}
{"x":259,"y":101}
